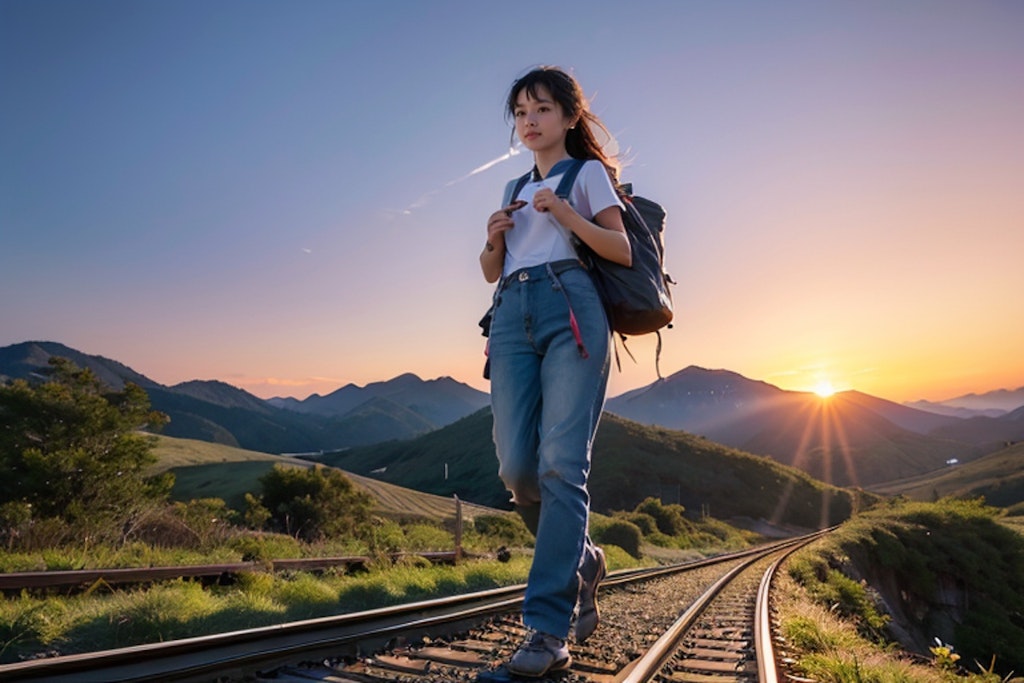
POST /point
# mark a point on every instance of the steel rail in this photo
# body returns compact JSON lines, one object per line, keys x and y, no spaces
{"x":242,"y":651}
{"x":645,"y":667}
{"x":764,"y":644}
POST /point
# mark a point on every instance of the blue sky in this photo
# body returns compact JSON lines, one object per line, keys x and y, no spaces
{"x":291,"y":196}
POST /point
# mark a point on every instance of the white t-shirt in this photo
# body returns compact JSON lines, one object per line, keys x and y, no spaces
{"x":537,"y":237}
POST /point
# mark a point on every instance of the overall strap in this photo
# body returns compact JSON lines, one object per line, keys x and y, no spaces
{"x":568,"y":178}
{"x":514,"y":186}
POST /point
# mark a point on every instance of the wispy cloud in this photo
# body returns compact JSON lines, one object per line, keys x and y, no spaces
{"x":425,"y":198}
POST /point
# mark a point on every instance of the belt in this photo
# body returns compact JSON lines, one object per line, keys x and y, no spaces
{"x":540,"y":271}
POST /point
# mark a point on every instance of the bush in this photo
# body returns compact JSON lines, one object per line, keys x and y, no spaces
{"x":618,"y":532}
{"x":266,"y":547}
{"x":314,"y":503}
{"x":504,"y":529}
{"x":646,"y":523}
{"x":668,"y":518}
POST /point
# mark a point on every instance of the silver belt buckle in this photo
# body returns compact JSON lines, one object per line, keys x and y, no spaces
{"x":524,"y":276}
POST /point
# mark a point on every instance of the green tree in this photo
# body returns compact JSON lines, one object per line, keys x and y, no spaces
{"x":314,"y":503}
{"x":70,"y":449}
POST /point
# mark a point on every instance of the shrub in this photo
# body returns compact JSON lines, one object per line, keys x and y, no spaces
{"x":505,"y":529}
{"x":646,"y":523}
{"x":618,"y":532}
{"x":266,"y":547}
{"x":668,"y":518}
{"x":314,"y":503}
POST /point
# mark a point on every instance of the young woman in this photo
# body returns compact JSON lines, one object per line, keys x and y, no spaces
{"x":549,"y":354}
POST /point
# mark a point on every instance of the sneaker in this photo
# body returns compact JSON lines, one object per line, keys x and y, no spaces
{"x":590,"y":578}
{"x":540,"y":654}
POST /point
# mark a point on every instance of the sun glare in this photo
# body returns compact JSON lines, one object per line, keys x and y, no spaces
{"x":824,"y":388}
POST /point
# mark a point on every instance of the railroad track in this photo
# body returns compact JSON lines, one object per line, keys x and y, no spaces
{"x":670,"y":624}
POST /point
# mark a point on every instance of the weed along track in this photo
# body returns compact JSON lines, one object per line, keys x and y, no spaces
{"x":695,"y":622}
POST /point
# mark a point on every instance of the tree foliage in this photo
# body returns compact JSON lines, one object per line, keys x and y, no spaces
{"x":71,"y":449}
{"x":313,"y":503}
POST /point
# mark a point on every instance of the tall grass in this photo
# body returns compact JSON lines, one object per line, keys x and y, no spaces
{"x":32,"y":625}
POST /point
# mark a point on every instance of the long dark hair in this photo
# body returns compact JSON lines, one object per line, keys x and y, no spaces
{"x":580,"y":141}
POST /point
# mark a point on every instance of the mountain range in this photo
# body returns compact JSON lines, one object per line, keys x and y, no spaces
{"x":211,"y":410}
{"x":850,"y":438}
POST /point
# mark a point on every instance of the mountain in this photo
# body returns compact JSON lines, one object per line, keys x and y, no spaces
{"x":1001,"y":399}
{"x":989,"y":432}
{"x":218,"y":412}
{"x":848,"y":439}
{"x":953,"y":411}
{"x":630,"y":463}
{"x":31,"y":359}
{"x":990,"y":404}
{"x":439,"y":401}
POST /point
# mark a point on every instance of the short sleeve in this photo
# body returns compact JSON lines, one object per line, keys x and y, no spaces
{"x":593,"y":192}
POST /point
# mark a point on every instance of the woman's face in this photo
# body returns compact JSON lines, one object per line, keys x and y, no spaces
{"x":541,"y":123}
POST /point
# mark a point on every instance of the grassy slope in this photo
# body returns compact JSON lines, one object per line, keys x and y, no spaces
{"x":209,"y":470}
{"x":630,"y":463}
{"x":999,"y":477}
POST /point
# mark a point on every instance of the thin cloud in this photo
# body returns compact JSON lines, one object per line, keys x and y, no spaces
{"x":425,"y":198}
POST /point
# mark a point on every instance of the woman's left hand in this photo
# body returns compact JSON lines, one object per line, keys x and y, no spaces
{"x":546,"y":200}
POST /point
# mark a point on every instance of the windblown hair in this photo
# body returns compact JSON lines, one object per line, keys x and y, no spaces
{"x":580,"y":141}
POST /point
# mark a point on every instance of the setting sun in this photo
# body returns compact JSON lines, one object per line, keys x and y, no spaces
{"x":824,"y":388}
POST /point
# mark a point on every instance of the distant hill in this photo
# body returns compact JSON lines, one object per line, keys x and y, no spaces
{"x":440,"y":401}
{"x":847,"y":439}
{"x":991,"y":432}
{"x":989,"y":404}
{"x":218,"y":412}
{"x":954,"y":411}
{"x":998,"y":477}
{"x":630,"y":463}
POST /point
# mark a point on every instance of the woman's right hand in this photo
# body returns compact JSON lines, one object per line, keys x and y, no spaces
{"x":492,"y":258}
{"x":501,"y":221}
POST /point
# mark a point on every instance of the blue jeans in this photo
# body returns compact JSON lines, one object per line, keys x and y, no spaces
{"x":547,"y":400}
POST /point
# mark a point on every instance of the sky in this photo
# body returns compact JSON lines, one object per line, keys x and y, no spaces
{"x":291,"y":196}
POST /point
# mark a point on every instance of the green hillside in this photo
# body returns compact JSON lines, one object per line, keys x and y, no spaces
{"x":999,"y":477}
{"x":631,"y":462}
{"x":210,"y":470}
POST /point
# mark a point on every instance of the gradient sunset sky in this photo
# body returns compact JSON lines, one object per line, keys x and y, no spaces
{"x":291,"y":196}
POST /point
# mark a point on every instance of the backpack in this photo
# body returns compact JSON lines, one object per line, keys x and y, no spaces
{"x":636,"y":298}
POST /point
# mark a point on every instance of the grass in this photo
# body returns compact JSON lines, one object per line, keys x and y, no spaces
{"x":31,"y":626}
{"x":178,"y":609}
{"x":915,"y":571}
{"x":203,"y":469}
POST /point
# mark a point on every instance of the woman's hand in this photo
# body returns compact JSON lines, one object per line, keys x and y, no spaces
{"x":546,"y":200}
{"x":492,"y":258}
{"x":501,"y":221}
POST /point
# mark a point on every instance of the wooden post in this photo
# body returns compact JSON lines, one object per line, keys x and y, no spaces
{"x":458,"y":529}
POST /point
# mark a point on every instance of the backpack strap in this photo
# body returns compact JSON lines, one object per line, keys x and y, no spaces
{"x":513,"y":188}
{"x":568,"y":178}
